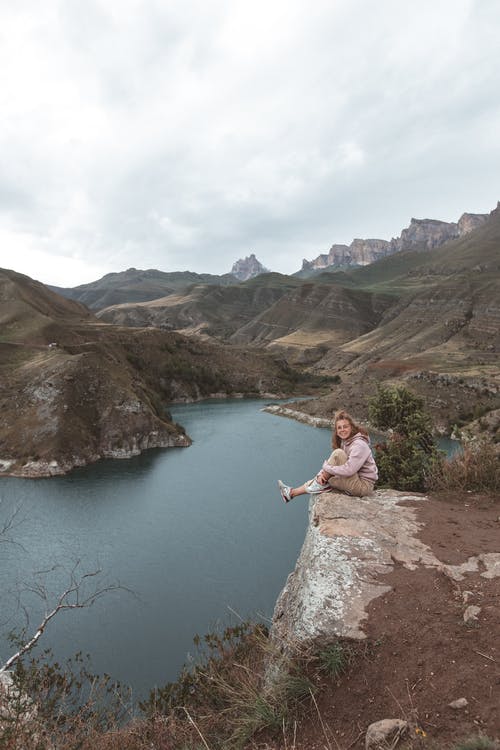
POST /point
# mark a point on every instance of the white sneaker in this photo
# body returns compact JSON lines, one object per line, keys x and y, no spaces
{"x":314,"y":487}
{"x":285,"y":491}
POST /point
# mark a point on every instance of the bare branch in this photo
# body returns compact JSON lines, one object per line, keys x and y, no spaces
{"x":73,"y":597}
{"x":10,"y":523}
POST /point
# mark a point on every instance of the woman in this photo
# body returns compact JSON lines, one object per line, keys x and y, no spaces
{"x":351,"y":467}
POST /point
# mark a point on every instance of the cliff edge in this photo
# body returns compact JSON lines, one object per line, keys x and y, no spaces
{"x":409,"y":586}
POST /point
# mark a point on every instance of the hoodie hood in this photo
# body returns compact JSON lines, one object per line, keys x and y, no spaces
{"x":357,"y":436}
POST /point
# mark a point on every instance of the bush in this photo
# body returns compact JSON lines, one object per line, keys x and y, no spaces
{"x":410,"y":453}
{"x":476,"y":469}
{"x":61,"y":706}
{"x":224,"y":695}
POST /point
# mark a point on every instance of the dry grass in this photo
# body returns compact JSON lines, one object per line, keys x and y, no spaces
{"x":477,"y":469}
{"x":222,"y":701}
{"x":225,"y":702}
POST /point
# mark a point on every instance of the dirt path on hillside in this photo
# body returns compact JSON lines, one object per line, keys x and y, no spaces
{"x":420,"y":655}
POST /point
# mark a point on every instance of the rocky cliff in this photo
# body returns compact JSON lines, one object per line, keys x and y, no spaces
{"x":404,"y":587}
{"x":421,"y":234}
{"x":73,"y":389}
{"x":350,"y":544}
{"x":247,"y":268}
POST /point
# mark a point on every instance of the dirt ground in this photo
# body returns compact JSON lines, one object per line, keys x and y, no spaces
{"x":419,"y":654}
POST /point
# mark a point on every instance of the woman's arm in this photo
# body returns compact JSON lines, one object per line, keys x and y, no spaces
{"x":359,"y":452}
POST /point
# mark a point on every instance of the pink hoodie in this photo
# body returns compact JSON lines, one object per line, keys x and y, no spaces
{"x":359,"y":459}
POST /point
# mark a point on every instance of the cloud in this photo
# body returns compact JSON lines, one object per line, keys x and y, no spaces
{"x":168,"y":135}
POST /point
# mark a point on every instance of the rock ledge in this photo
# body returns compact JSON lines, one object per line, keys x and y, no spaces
{"x":350,"y":544}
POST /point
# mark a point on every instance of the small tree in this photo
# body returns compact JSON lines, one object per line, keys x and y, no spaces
{"x":410,"y":453}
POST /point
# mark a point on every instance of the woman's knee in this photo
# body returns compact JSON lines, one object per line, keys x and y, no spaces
{"x":338,"y":457}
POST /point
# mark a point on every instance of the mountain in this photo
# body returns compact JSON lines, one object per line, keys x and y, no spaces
{"x":135,"y":285}
{"x":248,"y":268}
{"x":426,"y":317}
{"x":358,"y":253}
{"x":421,"y":234}
{"x":73,"y":389}
{"x":312,"y":318}
{"x":207,"y":310}
{"x":441,"y":335}
{"x":301,"y":319}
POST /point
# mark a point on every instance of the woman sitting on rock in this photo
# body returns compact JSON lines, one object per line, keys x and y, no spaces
{"x":351,"y":467}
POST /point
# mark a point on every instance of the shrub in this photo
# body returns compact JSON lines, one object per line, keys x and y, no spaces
{"x":410,"y":453}
{"x":224,"y":693}
{"x":476,"y":469}
{"x":60,"y":705}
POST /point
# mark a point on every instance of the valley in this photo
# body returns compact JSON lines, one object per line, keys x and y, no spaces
{"x":74,"y":389}
{"x":80,"y":384}
{"x":428,"y":318}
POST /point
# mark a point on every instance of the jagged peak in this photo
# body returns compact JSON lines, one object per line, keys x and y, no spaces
{"x":419,"y":234}
{"x":248,"y":268}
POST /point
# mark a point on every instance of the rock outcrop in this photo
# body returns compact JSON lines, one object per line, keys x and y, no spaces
{"x":350,"y":545}
{"x":424,"y":234}
{"x":468,"y":222}
{"x":248,"y":268}
{"x":359,"y":253}
{"x":421,"y":234}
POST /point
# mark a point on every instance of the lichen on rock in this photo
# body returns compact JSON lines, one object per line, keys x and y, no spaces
{"x":350,"y":544}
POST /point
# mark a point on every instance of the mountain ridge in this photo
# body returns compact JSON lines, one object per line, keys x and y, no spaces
{"x":426,"y":318}
{"x":74,"y":390}
{"x":421,"y":234}
{"x":135,"y":285}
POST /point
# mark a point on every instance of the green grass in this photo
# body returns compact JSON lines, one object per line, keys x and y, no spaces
{"x":333,"y":660}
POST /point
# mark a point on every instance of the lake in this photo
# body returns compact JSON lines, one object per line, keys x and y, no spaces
{"x":199,"y":535}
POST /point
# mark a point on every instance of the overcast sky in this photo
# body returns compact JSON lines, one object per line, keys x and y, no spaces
{"x":183,"y":135}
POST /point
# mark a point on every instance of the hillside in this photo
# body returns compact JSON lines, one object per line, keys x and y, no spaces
{"x":427,"y":317}
{"x":135,"y":285}
{"x":441,"y":335}
{"x":216,"y":311}
{"x":311,"y":319}
{"x":73,"y":389}
{"x":300,"y":319}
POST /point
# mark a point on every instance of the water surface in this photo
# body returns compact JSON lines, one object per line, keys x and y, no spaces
{"x":196,"y":533}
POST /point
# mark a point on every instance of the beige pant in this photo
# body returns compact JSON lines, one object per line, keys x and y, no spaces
{"x":355,"y":485}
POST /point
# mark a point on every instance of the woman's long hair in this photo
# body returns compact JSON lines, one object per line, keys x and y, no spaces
{"x":342,"y":414}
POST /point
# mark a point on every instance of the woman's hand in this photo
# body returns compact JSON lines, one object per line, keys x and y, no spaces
{"x":322,"y":477}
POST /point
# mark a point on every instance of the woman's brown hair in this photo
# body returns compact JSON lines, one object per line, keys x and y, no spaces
{"x":342,"y":414}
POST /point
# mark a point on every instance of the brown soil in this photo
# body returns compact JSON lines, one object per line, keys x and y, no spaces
{"x":419,"y":655}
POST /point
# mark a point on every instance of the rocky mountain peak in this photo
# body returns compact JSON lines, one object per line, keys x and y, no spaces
{"x":247,"y":268}
{"x":467,"y":222}
{"x":421,"y":234}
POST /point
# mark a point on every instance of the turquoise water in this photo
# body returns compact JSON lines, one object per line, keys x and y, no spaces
{"x":197,"y":534}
